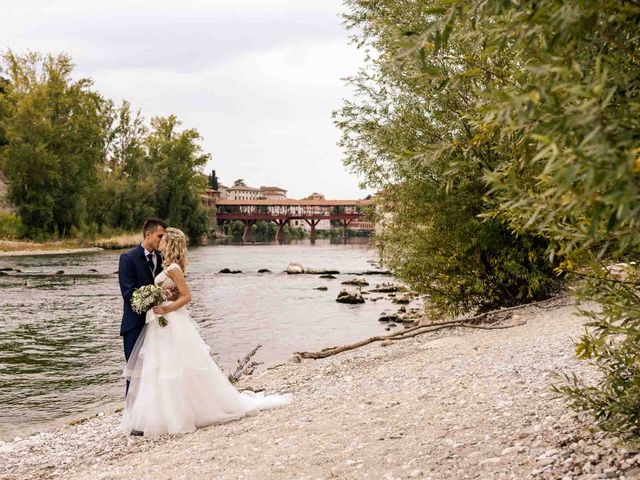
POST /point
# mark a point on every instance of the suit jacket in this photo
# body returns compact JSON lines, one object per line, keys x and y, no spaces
{"x":134,"y":272}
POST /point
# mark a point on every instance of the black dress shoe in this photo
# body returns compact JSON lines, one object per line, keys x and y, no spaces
{"x":136,"y":433}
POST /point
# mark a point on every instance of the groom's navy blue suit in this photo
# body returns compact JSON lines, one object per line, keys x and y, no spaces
{"x":134,"y":272}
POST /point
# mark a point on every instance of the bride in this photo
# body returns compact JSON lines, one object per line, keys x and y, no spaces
{"x":175,"y":386}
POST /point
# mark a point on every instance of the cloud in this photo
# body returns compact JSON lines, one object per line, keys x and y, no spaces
{"x":258,"y":80}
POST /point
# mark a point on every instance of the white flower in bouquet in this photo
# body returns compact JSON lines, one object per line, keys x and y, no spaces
{"x":147,"y":297}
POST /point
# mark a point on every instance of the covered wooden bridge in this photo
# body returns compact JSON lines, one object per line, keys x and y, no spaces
{"x":282,"y":211}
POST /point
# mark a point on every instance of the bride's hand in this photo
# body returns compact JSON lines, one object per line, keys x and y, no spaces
{"x":172,"y":293}
{"x":160,"y":310}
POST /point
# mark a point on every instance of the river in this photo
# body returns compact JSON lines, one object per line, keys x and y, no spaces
{"x":61,"y":356}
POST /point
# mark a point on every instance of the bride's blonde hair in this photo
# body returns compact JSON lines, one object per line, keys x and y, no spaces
{"x":174,"y":248}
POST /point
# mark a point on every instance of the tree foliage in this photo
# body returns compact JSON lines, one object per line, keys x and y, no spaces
{"x":544,"y":122}
{"x":213,"y":180}
{"x":55,"y":133}
{"x":74,"y":162}
{"x":410,"y":134}
{"x":174,"y":156}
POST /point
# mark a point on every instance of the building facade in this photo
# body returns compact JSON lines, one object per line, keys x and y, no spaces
{"x":241,"y":191}
{"x":273,"y":193}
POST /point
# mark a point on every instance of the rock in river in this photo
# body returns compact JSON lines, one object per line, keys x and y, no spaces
{"x":388,"y":317}
{"x":226,"y":270}
{"x":295,"y":268}
{"x":349,"y":297}
{"x":387,"y":288}
{"x":360,"y":282}
{"x":402,"y":299}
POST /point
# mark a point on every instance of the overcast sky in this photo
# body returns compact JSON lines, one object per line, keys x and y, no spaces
{"x":258,"y":79}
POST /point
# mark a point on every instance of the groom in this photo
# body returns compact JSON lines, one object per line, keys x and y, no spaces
{"x":138,"y":267}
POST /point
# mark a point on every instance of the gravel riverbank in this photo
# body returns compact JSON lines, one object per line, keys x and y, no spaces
{"x":458,"y":404}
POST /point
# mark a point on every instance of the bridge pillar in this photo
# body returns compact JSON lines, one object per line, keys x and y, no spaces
{"x":280,"y":222}
{"x":247,"y":234}
{"x":312,"y":223}
{"x":345,"y":224}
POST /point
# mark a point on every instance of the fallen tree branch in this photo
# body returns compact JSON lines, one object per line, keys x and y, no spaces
{"x":244,"y":367}
{"x":494,"y":327}
{"x":468,"y":322}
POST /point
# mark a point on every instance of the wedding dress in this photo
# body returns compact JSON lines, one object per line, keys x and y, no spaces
{"x":175,"y":385}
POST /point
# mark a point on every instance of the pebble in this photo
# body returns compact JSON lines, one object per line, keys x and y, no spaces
{"x":426,"y":408}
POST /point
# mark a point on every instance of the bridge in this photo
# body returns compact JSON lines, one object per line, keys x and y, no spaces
{"x":282,"y":211}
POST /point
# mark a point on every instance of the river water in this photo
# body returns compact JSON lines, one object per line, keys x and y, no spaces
{"x":61,"y":355}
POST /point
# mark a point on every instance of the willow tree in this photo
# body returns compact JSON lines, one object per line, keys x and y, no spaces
{"x":410,"y":134}
{"x":576,"y":117}
{"x":552,"y":98}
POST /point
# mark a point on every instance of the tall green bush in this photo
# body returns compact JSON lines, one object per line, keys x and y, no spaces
{"x":410,"y":134}
{"x":544,"y":108}
{"x":11,"y":227}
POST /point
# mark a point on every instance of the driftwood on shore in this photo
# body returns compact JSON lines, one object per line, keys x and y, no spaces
{"x":467,"y":322}
{"x":245,"y":366}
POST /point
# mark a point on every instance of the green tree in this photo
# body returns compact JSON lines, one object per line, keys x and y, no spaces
{"x":176,"y":160}
{"x":213,"y":180}
{"x":4,"y":110}
{"x":574,"y":176}
{"x":125,"y":194}
{"x":235,"y":229}
{"x":410,"y":134}
{"x":535,"y":104}
{"x":264,"y":230}
{"x":55,"y":131}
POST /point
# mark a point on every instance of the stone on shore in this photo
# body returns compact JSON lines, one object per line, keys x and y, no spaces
{"x":447,"y":405}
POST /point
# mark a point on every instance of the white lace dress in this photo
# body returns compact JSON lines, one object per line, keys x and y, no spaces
{"x":175,"y":385}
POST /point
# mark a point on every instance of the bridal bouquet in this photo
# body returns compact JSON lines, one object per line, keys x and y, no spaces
{"x":147,"y":297}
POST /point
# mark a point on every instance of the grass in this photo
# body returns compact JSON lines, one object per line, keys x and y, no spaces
{"x":115,"y":242}
{"x":118,"y":242}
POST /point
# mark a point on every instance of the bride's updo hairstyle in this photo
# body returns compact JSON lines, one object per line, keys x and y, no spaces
{"x":174,"y":248}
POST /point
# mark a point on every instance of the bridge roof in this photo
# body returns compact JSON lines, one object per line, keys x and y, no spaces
{"x":292,"y":202}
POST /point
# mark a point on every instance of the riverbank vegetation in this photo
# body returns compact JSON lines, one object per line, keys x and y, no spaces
{"x":503,"y":138}
{"x":263,"y":231}
{"x":78,"y":166}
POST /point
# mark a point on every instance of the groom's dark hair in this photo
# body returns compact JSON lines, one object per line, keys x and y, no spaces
{"x":150,"y":224}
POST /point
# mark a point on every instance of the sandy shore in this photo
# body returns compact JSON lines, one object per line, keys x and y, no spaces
{"x":15,"y":248}
{"x":462,"y":404}
{"x":59,"y":251}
